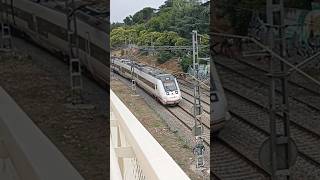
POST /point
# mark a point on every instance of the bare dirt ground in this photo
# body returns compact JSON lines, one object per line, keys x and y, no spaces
{"x":177,"y":148}
{"x":170,"y":66}
{"x":79,"y":134}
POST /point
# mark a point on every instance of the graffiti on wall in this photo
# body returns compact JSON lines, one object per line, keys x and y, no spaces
{"x":303,"y":28}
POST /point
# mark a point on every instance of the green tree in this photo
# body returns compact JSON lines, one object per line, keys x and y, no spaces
{"x":170,"y":25}
{"x":141,"y":16}
{"x":185,"y":63}
{"x":116,"y":25}
{"x":128,"y":20}
{"x":117,"y":37}
{"x":164,"y":56}
{"x":181,"y":42}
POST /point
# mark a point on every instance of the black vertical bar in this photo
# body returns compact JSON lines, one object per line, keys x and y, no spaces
{"x":273,"y":127}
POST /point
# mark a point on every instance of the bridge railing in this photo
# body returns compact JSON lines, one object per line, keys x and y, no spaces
{"x":25,"y":152}
{"x":135,"y":154}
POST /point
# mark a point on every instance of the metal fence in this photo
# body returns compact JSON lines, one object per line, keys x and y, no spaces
{"x":204,"y":72}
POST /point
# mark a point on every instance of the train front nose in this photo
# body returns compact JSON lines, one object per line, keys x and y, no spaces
{"x":173,"y":97}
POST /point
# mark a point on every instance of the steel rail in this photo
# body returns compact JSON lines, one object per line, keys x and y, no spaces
{"x":272,"y":53}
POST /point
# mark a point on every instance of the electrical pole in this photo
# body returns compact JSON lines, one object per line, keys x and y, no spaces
{"x":197,"y":108}
{"x":152,"y":47}
{"x":6,"y":38}
{"x":279,"y":141}
{"x":74,"y":62}
{"x":133,"y":80}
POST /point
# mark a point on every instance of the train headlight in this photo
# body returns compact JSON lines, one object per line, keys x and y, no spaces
{"x":176,"y":92}
{"x":167,"y":93}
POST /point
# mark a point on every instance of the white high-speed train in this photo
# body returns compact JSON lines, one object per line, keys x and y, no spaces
{"x":45,"y":23}
{"x":164,"y":87}
{"x":218,"y":102}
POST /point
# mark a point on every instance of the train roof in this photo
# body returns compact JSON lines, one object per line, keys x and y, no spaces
{"x":146,"y":69}
{"x":95,"y":12}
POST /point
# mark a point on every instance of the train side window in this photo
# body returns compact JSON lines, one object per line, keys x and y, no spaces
{"x":41,"y":27}
{"x":214,"y":97}
{"x":24,"y":15}
{"x":82,"y":43}
{"x":99,"y":53}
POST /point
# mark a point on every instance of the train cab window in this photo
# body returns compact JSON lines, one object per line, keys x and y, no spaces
{"x":169,"y":86}
{"x":168,"y":83}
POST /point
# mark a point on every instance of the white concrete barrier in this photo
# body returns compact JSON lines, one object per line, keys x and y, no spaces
{"x":139,"y":155}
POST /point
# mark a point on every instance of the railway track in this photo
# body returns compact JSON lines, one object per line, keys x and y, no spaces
{"x":249,"y":120}
{"x":296,"y":80}
{"x":247,"y":139}
{"x":258,"y":92}
{"x":185,"y":83}
{"x":309,"y":96}
{"x":188,"y":101}
{"x":188,"y":122}
{"x":231,"y":164}
{"x":248,"y":107}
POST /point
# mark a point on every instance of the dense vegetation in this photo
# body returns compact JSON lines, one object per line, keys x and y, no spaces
{"x":171,"y":24}
{"x":239,"y":12}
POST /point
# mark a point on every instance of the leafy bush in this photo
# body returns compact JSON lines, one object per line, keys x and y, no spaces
{"x":164,"y":56}
{"x":185,"y":62}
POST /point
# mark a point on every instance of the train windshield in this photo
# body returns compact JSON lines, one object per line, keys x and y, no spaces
{"x":169,"y":83}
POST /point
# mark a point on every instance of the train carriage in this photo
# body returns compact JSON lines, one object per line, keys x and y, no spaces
{"x":161,"y":85}
{"x":45,"y":23}
{"x":218,"y":102}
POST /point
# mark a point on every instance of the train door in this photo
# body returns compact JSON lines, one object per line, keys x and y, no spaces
{"x":156,"y":91}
